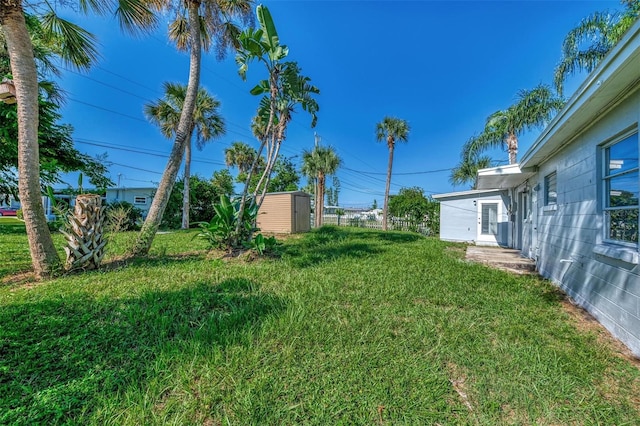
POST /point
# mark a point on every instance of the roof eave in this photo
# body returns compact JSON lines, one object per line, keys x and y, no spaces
{"x":615,"y":78}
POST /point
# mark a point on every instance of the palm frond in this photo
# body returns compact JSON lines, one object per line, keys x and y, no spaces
{"x":135,"y":16}
{"x":394,"y":129}
{"x":77,"y":46}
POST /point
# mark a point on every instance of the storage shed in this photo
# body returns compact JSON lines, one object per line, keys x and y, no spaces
{"x":285,"y":212}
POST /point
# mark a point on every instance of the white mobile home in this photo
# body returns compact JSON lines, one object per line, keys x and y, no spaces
{"x":573,"y":204}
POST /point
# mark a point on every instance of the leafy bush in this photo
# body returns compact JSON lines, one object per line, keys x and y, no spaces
{"x":262,"y":245}
{"x":221,"y":232}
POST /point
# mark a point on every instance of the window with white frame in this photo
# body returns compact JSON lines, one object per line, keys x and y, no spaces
{"x":550,"y":189}
{"x":139,"y":200}
{"x":621,"y":187}
{"x":489,"y":225}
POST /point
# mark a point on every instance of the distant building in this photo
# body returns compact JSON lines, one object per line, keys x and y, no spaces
{"x":138,"y":197}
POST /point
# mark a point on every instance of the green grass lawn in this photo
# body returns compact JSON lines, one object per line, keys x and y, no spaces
{"x":349,"y":327}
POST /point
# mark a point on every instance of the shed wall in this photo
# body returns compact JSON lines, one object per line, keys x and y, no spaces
{"x":276,"y":213}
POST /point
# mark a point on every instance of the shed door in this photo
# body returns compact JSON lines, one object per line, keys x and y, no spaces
{"x":488,"y":228}
{"x":302,"y":214}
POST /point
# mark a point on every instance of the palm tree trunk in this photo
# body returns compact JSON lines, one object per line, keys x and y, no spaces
{"x":268,"y":181}
{"x":272,"y":110}
{"x":271,"y":146}
{"x":160,"y":200}
{"x":512,"y":148}
{"x":186,"y":195}
{"x":245,"y":191}
{"x":44,"y":257}
{"x":320,"y":203}
{"x":385,"y":209}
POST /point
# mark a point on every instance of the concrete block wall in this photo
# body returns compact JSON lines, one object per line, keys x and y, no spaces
{"x":568,"y":236}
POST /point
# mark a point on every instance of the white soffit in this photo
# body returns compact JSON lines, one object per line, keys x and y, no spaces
{"x":502,"y":177}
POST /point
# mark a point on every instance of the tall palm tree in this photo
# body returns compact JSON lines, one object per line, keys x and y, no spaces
{"x":600,"y":32}
{"x":198,"y":25}
{"x":76,"y":48}
{"x":390,"y":130}
{"x":318,"y":164}
{"x":207,"y":123}
{"x":533,"y":108}
{"x":240,"y":155}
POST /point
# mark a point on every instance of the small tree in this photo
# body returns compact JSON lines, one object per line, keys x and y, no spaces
{"x":411,"y":205}
{"x":320,"y":163}
{"x":207,"y":123}
{"x":285,"y":176}
{"x":281,"y":92}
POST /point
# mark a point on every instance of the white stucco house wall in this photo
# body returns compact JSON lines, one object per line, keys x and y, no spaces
{"x":572,"y":201}
{"x":140,"y":197}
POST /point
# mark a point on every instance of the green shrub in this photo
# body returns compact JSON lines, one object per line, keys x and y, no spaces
{"x":221,"y":232}
{"x":262,"y":245}
{"x":123,"y":216}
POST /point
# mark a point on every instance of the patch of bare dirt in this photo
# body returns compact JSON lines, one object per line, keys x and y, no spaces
{"x":21,"y":280}
{"x":584,"y":321}
{"x":458,"y":381}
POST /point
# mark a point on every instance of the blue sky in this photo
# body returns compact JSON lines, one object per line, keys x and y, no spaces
{"x":443,"y":66}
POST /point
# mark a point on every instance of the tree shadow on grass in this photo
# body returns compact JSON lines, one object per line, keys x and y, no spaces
{"x":327,"y":244}
{"x":57,"y":356}
{"x":399,"y":237}
{"x":11,"y":228}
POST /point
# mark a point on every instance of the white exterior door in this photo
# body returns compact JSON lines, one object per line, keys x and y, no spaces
{"x":524,"y":223}
{"x":488,"y":227}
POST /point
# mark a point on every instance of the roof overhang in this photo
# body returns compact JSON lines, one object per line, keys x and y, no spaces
{"x":616,"y":78}
{"x":469,"y":193}
{"x":502,"y":177}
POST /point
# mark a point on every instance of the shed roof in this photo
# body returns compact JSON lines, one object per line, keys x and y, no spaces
{"x":288,"y":192}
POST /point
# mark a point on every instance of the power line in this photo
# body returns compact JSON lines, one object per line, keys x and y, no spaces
{"x":107,"y":85}
{"x":136,"y":168}
{"x":141,"y":151}
{"x":108,"y":110}
{"x":127,"y":79}
{"x":402,"y":174}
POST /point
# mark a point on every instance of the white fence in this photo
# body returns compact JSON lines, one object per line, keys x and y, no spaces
{"x":372,"y":223}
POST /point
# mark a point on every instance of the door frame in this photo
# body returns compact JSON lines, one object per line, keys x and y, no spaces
{"x":488,"y":238}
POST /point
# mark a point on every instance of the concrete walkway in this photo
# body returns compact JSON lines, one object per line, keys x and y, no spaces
{"x":501,"y":258}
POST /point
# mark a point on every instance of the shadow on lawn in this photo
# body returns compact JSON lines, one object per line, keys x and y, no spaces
{"x":58,"y":355}
{"x":11,"y":228}
{"x":331,"y":243}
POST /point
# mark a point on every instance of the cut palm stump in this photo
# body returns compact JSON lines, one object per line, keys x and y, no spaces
{"x":85,"y":239}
